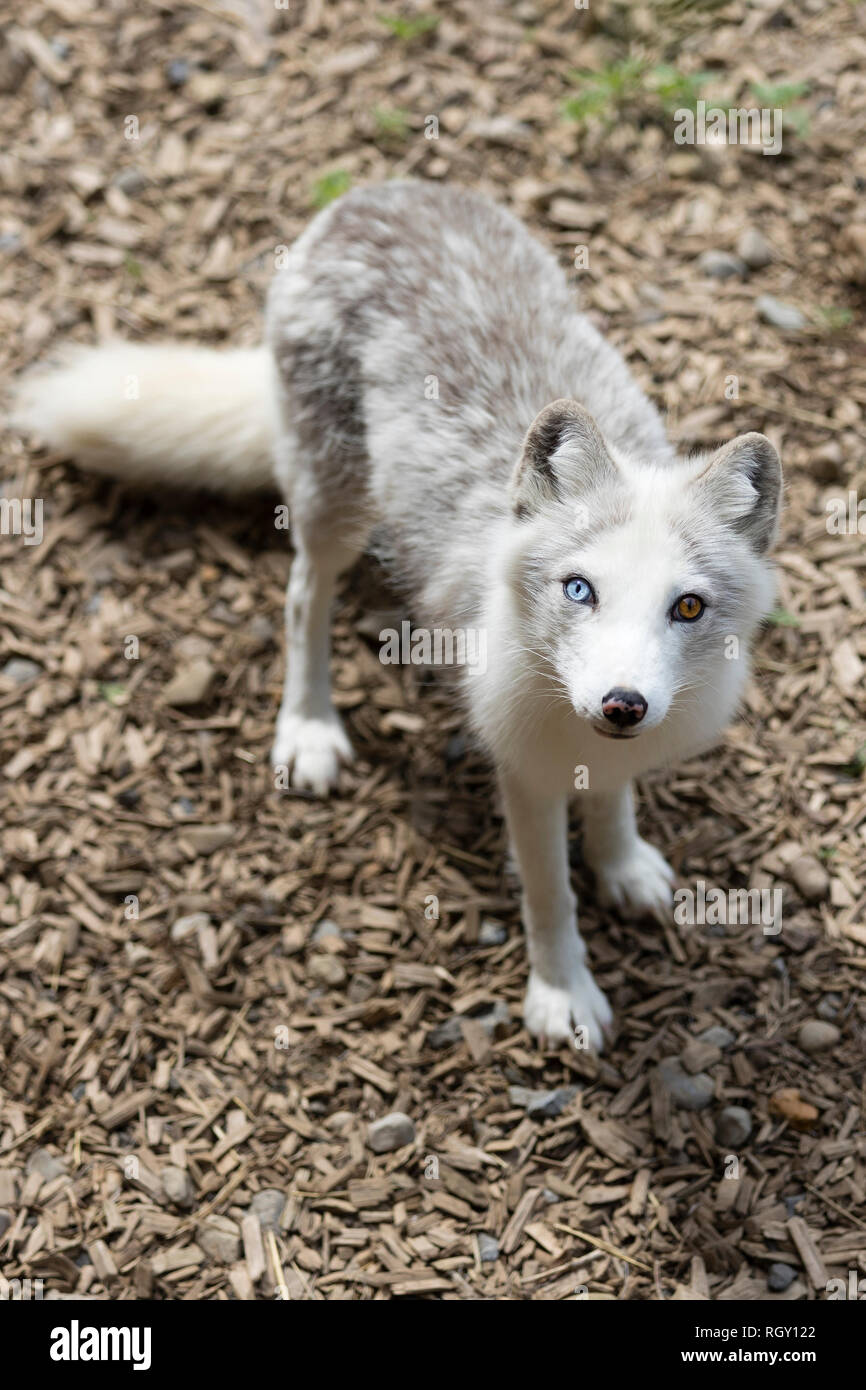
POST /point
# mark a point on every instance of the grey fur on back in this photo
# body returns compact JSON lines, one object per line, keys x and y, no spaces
{"x":389,"y":288}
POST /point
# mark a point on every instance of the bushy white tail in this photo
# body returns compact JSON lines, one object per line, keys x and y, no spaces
{"x":194,"y":417}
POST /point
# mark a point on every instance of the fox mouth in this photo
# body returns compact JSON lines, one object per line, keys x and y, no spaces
{"x":607,"y":732}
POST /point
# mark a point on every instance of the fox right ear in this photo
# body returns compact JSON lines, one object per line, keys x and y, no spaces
{"x":563,"y":455}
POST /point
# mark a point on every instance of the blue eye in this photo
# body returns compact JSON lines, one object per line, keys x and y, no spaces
{"x":578,"y":590}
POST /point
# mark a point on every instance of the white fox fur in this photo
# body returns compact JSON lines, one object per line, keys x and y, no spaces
{"x":438,"y":396}
{"x":190,"y":416}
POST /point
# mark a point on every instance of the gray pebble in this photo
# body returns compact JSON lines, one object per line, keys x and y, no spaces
{"x":177,"y":1186}
{"x":492,"y":933}
{"x":733,"y":1126}
{"x":541,"y":1105}
{"x":130,"y":181}
{"x":494,"y":1021}
{"x":445,"y":1034}
{"x":20,"y":670}
{"x":488,"y":1247}
{"x":784,"y":316}
{"x":780,"y":1277}
{"x":754,"y":248}
{"x":829,"y":1006}
{"x":390,"y":1132}
{"x":220,"y":1239}
{"x":721,"y":265}
{"x":689,"y":1092}
{"x":268,"y":1205}
{"x":717,"y":1036}
{"x":809,"y":875}
{"x":47,"y":1164}
{"x":326,"y":928}
{"x":177,"y":72}
{"x":816,"y":1035}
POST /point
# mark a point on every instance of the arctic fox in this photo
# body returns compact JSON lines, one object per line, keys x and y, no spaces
{"x":428,"y":386}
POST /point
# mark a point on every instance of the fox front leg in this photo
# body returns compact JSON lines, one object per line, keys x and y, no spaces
{"x":562,"y":1002}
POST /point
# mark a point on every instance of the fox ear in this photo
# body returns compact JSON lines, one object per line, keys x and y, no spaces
{"x":563,"y":454}
{"x":746,"y":481}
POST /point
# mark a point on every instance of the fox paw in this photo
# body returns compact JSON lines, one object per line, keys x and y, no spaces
{"x":640,"y":883}
{"x":577,"y":1012}
{"x":311,"y":750}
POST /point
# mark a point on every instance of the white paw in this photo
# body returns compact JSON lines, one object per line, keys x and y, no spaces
{"x":641,"y":882}
{"x":577,"y":1012}
{"x":311,"y":750}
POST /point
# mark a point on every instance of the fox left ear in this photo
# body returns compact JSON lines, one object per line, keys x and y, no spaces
{"x":746,"y":481}
{"x":564,"y":454}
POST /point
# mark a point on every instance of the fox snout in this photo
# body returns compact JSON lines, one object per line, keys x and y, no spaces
{"x":623,"y":708}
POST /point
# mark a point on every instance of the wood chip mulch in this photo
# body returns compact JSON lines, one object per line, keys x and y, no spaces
{"x":209,"y":990}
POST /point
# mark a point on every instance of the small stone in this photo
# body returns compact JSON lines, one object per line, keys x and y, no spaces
{"x":721,"y":265}
{"x":268,"y":1206}
{"x":717,"y":1036}
{"x":733,"y":1126}
{"x":456,"y":747}
{"x":780,"y":1277}
{"x":327,"y":928}
{"x":445,"y":1034}
{"x":220,"y":1239}
{"x":815,"y":1035}
{"x":829,"y":1007}
{"x":754,"y":248}
{"x":689,"y":1092}
{"x":5,"y":1221}
{"x":177,"y":1186}
{"x":177,"y":72}
{"x":46,"y":1164}
{"x":495,"y":1021}
{"x":488,"y":1248}
{"x":542,"y":1105}
{"x":191,"y":684}
{"x":20,"y":670}
{"x":784,"y":316}
{"x":390,"y":1132}
{"x":361,"y":988}
{"x":697,"y":1056}
{"x":492,"y":933}
{"x":261,"y":628}
{"x":189,"y":925}
{"x":326,"y":970}
{"x":810,"y":877}
{"x":130,"y":181}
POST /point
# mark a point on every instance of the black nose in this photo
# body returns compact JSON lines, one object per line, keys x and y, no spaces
{"x":623,"y":707}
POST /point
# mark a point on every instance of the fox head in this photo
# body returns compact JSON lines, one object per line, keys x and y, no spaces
{"x":638,"y":582}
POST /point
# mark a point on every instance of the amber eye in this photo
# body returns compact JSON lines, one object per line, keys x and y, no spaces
{"x":687,"y":608}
